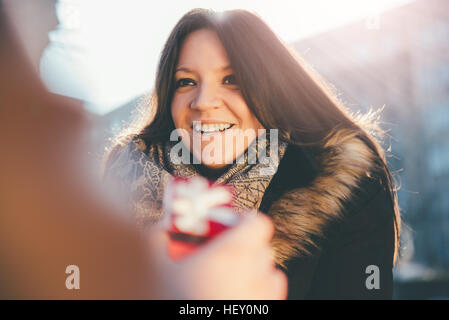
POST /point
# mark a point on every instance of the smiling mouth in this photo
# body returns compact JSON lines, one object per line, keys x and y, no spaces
{"x":211,"y":127}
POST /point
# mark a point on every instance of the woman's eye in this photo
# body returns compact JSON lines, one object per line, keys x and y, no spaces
{"x":184,"y":82}
{"x":230,"y":80}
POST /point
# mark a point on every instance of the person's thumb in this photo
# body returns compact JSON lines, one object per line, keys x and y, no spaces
{"x":253,"y":230}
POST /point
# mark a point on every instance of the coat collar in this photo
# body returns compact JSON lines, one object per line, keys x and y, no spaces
{"x":307,"y":206}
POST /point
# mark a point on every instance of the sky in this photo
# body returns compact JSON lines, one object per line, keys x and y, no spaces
{"x":105,"y":52}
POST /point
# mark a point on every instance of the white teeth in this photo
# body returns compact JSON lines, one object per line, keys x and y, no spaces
{"x":211,"y":127}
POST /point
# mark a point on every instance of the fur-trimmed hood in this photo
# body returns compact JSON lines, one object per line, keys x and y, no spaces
{"x":301,"y":215}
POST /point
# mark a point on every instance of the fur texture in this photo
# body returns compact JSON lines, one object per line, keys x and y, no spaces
{"x":301,"y":215}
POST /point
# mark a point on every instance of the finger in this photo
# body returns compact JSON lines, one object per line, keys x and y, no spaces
{"x":253,"y":230}
{"x":279,"y":286}
{"x":267,"y":258}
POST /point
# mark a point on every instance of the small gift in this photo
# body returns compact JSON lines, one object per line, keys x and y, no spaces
{"x":196,"y":211}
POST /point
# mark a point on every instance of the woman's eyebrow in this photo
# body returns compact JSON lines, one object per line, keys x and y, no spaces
{"x":225,"y":68}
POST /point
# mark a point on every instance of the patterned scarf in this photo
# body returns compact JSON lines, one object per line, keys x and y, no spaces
{"x":142,"y":171}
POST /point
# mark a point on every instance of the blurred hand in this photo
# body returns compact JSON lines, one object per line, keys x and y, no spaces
{"x":237,"y":264}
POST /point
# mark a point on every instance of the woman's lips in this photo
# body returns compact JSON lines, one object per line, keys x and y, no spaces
{"x":212,"y":134}
{"x":211,"y":128}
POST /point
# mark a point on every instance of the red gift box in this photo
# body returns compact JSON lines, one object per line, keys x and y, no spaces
{"x":197,"y":211}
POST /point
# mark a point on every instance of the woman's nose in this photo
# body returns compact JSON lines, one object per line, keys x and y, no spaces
{"x":206,"y":98}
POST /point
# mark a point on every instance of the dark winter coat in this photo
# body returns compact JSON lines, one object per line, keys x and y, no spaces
{"x":333,"y":221}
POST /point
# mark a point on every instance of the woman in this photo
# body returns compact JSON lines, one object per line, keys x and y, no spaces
{"x":329,"y":191}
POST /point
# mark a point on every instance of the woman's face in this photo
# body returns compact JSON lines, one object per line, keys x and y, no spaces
{"x":208,"y":104}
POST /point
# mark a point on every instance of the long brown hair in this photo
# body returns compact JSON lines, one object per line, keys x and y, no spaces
{"x":280,"y":89}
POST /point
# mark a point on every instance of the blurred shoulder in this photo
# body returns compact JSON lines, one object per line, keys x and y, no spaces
{"x":123,"y":147}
